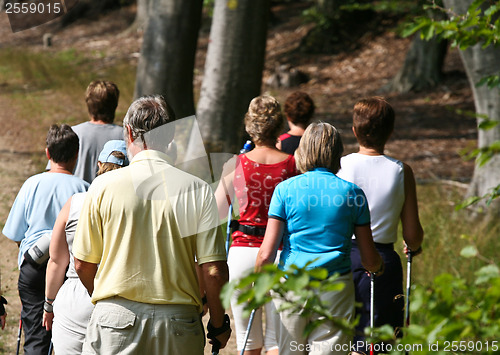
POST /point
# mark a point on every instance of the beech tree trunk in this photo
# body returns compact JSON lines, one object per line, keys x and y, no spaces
{"x":168,"y":53}
{"x":422,"y":67}
{"x":480,"y":62}
{"x":233,"y":71}
{"x":141,"y":15}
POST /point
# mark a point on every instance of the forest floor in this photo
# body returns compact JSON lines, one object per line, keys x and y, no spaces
{"x":429,"y":135}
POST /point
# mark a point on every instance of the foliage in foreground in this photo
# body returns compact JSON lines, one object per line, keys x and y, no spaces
{"x":299,"y":287}
{"x":455,"y":315}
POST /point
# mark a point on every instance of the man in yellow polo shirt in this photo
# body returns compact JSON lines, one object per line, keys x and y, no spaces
{"x":140,"y":231}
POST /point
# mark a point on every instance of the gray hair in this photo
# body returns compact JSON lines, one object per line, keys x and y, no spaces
{"x":320,"y":147}
{"x":147,"y":113}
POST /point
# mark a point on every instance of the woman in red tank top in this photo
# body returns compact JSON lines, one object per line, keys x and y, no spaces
{"x":252,"y":183}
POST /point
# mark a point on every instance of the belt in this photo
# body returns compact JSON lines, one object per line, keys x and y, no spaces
{"x":248,"y":229}
{"x":381,"y":246}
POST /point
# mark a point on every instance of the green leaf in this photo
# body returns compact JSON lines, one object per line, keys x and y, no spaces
{"x":318,"y":273}
{"x":297,"y":283}
{"x":468,"y":202}
{"x":433,"y":335}
{"x":413,"y":28}
{"x":226,"y":294}
{"x":331,"y":287}
{"x":486,"y":273}
{"x":491,"y":10}
{"x":427,"y":33}
{"x":488,"y":124}
{"x":469,"y":252}
{"x":262,"y":286}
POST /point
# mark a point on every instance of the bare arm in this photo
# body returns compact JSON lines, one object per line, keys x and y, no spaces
{"x":58,"y":262}
{"x":215,"y":276}
{"x":86,"y":272}
{"x":271,"y":243}
{"x":225,"y":189}
{"x":370,"y":258}
{"x":201,"y":285}
{"x":413,"y":234}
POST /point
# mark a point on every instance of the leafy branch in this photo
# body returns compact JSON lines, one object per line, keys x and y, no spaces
{"x":300,"y":289}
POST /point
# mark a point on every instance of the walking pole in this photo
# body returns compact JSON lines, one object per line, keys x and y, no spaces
{"x":408,"y":288}
{"x":228,"y":228}
{"x":249,"y":327}
{"x":19,"y":335}
{"x":51,"y":346}
{"x":372,"y":308}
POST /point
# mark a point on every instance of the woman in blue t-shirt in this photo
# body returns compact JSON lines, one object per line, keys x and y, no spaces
{"x":315,"y":215}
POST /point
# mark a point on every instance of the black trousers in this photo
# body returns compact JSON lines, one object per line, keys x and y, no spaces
{"x":388,"y":301}
{"x":31,"y":288}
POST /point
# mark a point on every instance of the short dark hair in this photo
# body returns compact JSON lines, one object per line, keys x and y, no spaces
{"x":62,"y":143}
{"x":299,"y":108}
{"x":373,"y":121}
{"x":102,"y":99}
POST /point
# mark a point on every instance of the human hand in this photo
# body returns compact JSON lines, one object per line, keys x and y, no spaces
{"x":3,"y":313}
{"x":380,"y":270}
{"x":408,"y":251}
{"x":219,"y":336}
{"x":47,"y":320}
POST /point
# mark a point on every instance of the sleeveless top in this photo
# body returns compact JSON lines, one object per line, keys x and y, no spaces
{"x":254,"y":185}
{"x":382,"y":180}
{"x":74,"y":214}
{"x":289,"y":143}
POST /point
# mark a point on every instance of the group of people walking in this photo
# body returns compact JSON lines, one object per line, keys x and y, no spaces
{"x":134,"y":261}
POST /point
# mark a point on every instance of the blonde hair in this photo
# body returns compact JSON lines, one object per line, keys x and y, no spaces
{"x":320,"y":147}
{"x":264,"y":120}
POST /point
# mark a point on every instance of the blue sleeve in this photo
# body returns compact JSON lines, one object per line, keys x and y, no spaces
{"x":16,"y":225}
{"x":362,"y":211}
{"x":277,"y":205}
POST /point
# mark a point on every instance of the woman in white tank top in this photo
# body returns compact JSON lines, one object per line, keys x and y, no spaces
{"x":389,"y":186}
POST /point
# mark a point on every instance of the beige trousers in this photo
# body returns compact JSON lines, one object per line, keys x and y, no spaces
{"x":120,"y":326}
{"x":325,"y":339}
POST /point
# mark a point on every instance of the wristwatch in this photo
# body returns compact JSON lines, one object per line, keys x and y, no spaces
{"x":48,"y":307}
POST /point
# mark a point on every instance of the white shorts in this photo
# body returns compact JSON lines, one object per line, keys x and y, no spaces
{"x":241,"y":262}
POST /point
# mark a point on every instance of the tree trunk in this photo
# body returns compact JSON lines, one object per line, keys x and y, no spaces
{"x":168,"y":53}
{"x":141,"y":16}
{"x":479,"y":63}
{"x":233,"y":71}
{"x":422,"y":67}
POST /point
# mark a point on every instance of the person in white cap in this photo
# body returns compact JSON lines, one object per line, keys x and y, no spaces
{"x":67,"y":305}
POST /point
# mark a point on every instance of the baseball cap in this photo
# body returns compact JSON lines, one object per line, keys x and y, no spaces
{"x":111,"y":146}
